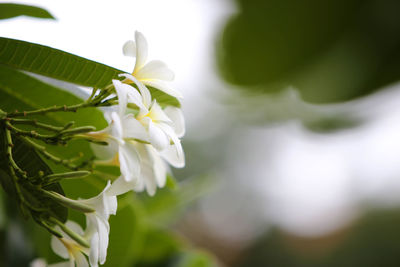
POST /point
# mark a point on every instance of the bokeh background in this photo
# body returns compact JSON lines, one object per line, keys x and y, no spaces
{"x":292,"y":112}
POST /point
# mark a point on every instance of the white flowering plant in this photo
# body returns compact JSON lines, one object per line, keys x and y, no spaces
{"x":74,"y":165}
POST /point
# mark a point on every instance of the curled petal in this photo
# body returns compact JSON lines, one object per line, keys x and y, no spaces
{"x":155,"y":69}
{"x":178,"y":121}
{"x":141,"y":51}
{"x":146,"y":96}
{"x":59,"y":248}
{"x":159,"y":167}
{"x":123,"y":90}
{"x":121,"y":186}
{"x":129,"y":162}
{"x":174,"y":155}
{"x":157,"y":136}
{"x":129,"y":49}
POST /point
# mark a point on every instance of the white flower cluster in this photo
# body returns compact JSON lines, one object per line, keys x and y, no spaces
{"x":142,"y":138}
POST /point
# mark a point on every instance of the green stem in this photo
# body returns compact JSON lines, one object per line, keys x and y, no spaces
{"x":79,"y":239}
{"x":67,"y":202}
{"x":13,"y":164}
{"x":33,"y":134}
{"x":72,"y":108}
{"x":14,"y":167}
{"x":54,"y":178}
{"x":37,"y":124}
{"x":55,"y":159}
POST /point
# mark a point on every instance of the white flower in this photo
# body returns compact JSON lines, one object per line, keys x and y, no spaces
{"x":97,"y":225}
{"x":153,"y":173}
{"x":96,"y":233}
{"x":67,"y":248}
{"x":122,"y":127}
{"x":154,"y":73}
{"x":163,"y":126}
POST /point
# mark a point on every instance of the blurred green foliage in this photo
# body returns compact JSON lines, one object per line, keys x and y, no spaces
{"x":331,"y":51}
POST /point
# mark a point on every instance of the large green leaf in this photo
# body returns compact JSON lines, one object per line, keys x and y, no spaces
{"x":9,"y":10}
{"x":64,"y":66}
{"x":54,"y":63}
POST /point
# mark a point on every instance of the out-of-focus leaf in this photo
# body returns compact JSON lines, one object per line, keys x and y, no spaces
{"x":64,"y":66}
{"x":10,"y":10}
{"x":195,"y":259}
{"x":330,"y":51}
{"x":127,"y":233}
{"x":160,"y":246}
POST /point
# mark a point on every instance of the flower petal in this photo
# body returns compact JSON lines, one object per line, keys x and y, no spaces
{"x":134,"y":129}
{"x":58,"y":247}
{"x":157,"y":136}
{"x":155,"y":69}
{"x":174,"y":157}
{"x":146,"y":96}
{"x":122,"y":90}
{"x":162,"y":87}
{"x":94,"y":250}
{"x":159,"y":167}
{"x":129,"y":162}
{"x":157,"y":114}
{"x":116,"y":126}
{"x":81,"y":260}
{"x":129,"y":49}
{"x":121,"y":186}
{"x":141,"y":51}
{"x":178,"y":121}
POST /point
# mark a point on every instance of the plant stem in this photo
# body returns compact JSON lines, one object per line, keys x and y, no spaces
{"x":37,"y":124}
{"x":55,"y":159}
{"x":79,"y":239}
{"x":33,"y":134}
{"x":65,"y":108}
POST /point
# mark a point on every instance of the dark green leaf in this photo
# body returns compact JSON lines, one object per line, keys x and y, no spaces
{"x":64,"y":66}
{"x":55,"y":63}
{"x":9,"y":10}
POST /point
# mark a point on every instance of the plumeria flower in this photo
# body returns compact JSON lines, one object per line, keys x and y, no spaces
{"x":154,"y":73}
{"x":122,"y":128}
{"x":67,"y":248}
{"x":98,"y":209}
{"x":153,"y":173}
{"x":97,"y":225}
{"x":163,"y":126}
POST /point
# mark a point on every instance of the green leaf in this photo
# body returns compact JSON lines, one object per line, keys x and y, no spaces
{"x":195,"y":259}
{"x":64,"y":66}
{"x":163,"y":99}
{"x":9,"y":10}
{"x":55,"y":63}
